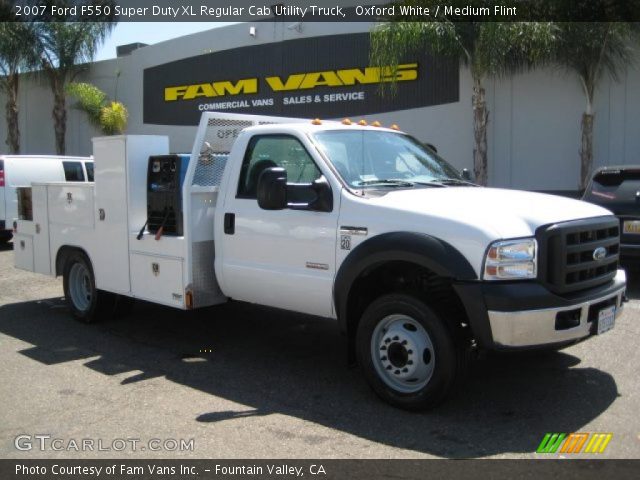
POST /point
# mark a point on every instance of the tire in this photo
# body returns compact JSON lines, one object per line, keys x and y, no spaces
{"x":86,"y":302}
{"x":409,"y":356}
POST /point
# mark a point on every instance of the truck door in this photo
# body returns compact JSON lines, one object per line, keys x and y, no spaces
{"x":282,"y":258}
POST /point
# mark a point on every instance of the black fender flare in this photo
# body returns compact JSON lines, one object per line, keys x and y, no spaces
{"x":437,"y":255}
{"x":62,"y":253}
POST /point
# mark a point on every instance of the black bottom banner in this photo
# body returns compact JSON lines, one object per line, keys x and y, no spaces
{"x":319,"y":469}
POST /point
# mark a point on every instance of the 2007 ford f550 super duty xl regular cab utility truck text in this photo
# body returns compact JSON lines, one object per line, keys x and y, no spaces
{"x":356,"y":223}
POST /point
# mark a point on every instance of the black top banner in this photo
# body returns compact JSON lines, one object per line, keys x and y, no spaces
{"x":320,"y":10}
{"x":325,"y":77}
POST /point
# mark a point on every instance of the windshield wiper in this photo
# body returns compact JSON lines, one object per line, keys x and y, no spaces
{"x":456,"y":181}
{"x":443,"y":182}
{"x":431,"y":183}
{"x":394,"y":182}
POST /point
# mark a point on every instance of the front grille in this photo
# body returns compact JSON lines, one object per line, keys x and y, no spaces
{"x":568,"y":256}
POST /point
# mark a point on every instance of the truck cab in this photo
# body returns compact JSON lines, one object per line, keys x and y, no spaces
{"x":356,"y":223}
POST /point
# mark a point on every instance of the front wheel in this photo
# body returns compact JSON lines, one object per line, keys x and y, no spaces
{"x":408,"y":354}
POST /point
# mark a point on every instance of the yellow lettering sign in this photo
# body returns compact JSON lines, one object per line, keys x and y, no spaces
{"x":293,"y":82}
{"x":189,"y":92}
{"x":297,"y":81}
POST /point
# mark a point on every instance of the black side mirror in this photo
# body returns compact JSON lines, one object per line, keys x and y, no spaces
{"x":272,"y":189}
{"x":466,"y":174}
{"x":324,"y":196}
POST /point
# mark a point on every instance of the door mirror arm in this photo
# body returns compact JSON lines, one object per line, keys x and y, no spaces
{"x":272,"y":189}
{"x":324,"y":196}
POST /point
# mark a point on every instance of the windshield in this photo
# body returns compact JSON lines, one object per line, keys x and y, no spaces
{"x":367,"y":158}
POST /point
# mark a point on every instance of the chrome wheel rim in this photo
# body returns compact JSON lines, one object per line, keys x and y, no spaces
{"x":80,"y":287}
{"x":402,"y":353}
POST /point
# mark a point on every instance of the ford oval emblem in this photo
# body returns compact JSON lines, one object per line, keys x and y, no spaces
{"x":599,"y":253}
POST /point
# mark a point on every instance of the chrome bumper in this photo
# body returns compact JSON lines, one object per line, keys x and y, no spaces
{"x":531,"y":328}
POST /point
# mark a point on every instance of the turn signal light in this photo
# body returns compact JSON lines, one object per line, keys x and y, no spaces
{"x":188,"y":299}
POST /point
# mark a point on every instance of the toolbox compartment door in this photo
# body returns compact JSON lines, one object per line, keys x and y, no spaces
{"x":41,"y":245}
{"x":23,"y":251}
{"x":157,"y":279}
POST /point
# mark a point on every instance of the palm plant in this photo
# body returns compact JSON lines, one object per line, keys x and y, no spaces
{"x":487,"y":48}
{"x":62,"y":47}
{"x":592,"y":50}
{"x":16,"y":55}
{"x":109,"y":116}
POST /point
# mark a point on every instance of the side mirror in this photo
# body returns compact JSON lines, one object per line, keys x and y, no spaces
{"x":466,"y":174}
{"x":324,"y":196}
{"x":272,"y":189}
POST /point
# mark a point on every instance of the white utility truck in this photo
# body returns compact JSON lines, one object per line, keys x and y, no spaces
{"x":356,"y":223}
{"x":21,"y":170}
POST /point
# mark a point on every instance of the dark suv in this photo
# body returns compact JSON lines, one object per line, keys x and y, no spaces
{"x":618,"y":189}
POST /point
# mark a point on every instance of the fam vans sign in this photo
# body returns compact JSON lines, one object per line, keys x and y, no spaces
{"x":325,"y":77}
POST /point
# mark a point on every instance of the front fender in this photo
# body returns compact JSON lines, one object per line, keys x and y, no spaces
{"x":437,"y":255}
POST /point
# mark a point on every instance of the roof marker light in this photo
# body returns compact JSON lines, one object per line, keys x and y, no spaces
{"x":376,"y":124}
{"x":347,"y":121}
{"x":316,"y":121}
{"x":394,"y":127}
{"x":362,"y":122}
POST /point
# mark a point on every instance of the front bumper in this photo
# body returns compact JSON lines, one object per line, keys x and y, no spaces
{"x":527,"y":315}
{"x":629,"y":251}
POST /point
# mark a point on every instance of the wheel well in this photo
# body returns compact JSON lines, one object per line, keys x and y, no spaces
{"x":63,"y":254}
{"x":406,"y":277}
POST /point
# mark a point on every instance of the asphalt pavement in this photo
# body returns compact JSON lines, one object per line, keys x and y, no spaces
{"x":240,"y":381}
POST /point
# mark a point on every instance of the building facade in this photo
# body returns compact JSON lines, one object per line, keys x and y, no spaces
{"x":321,"y":70}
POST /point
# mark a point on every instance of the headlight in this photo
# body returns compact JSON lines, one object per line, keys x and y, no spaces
{"x":511,"y":260}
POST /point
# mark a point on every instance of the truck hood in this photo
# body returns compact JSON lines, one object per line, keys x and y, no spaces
{"x":507,"y":213}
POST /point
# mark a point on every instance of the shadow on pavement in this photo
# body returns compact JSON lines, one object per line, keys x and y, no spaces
{"x":280,"y":362}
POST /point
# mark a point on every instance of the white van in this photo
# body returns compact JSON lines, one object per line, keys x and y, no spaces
{"x":20,"y":170}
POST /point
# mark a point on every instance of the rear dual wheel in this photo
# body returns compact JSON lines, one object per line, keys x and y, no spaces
{"x":409,"y":356}
{"x":86,"y":302}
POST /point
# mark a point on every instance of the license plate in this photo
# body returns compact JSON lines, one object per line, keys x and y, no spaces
{"x":631,"y":226}
{"x":606,"y":319}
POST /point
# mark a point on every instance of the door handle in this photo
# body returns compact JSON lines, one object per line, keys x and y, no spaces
{"x":229,"y":223}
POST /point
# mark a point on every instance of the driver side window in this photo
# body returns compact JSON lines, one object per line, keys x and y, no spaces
{"x":266,"y":151}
